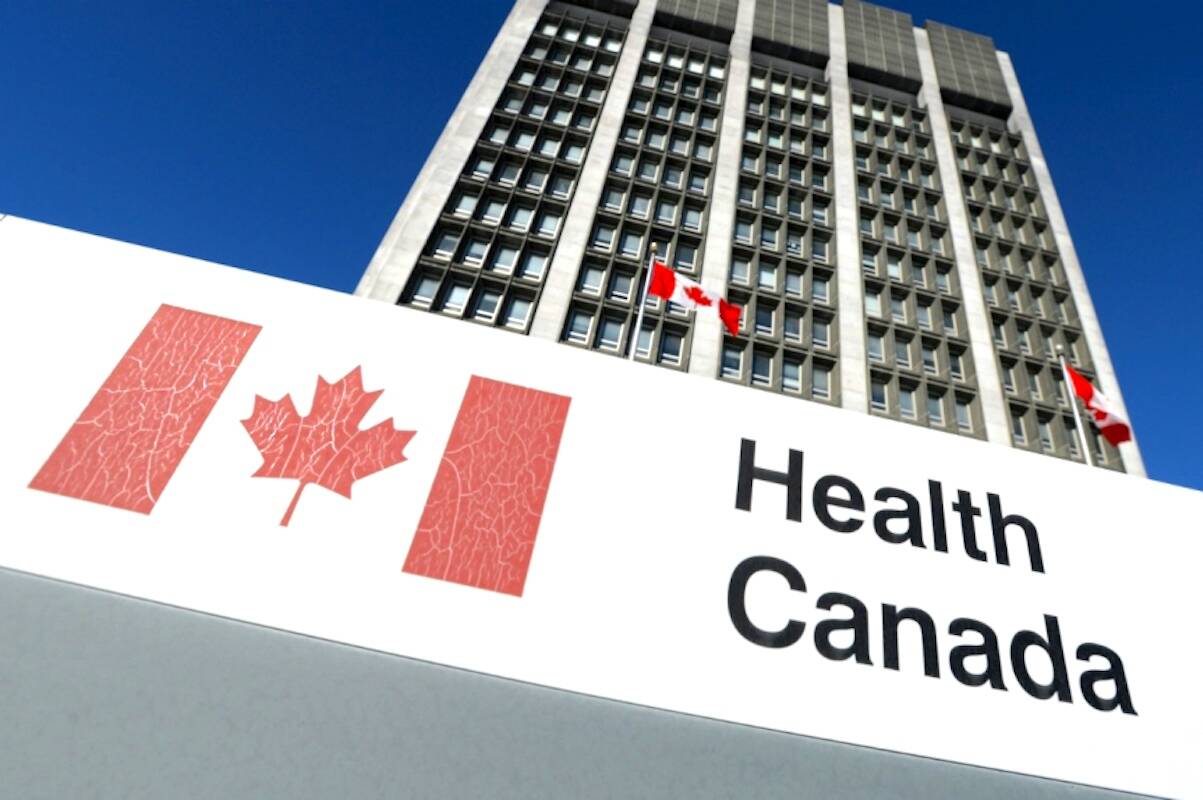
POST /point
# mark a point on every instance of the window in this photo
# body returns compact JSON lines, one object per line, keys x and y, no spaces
{"x":573,"y":153}
{"x":942,"y":280}
{"x":768,"y":236}
{"x":517,"y":313}
{"x":520,"y":217}
{"x":492,"y":209}
{"x":956,"y":367}
{"x":765,"y":318}
{"x":964,"y":419}
{"x":1071,"y":438}
{"x":818,"y":290}
{"x":622,"y":164}
{"x":877,"y":395}
{"x":692,"y":219}
{"x":866,"y":224}
{"x":894,"y":266}
{"x":873,"y":303}
{"x":549,"y":221}
{"x":591,"y":280}
{"x":898,"y":309}
{"x":620,"y":286}
{"x":686,"y":255}
{"x":475,"y":251}
{"x":1033,"y":385}
{"x":465,"y":203}
{"x":1017,"y":430}
{"x":875,"y":348}
{"x":793,"y":282}
{"x":648,"y":169}
{"x":640,"y":205}
{"x":673,"y":176}
{"x":697,"y":181}
{"x":762,"y":368}
{"x":924,"y":316}
{"x":612,"y":199}
{"x":740,"y":270}
{"x":523,"y":140}
{"x":424,"y":292}
{"x":535,"y":179}
{"x":793,"y":325}
{"x":631,"y":243}
{"x":766,"y":277}
{"x":445,"y":246}
{"x":670,"y":347}
{"x":743,"y":231}
{"x":487,"y":301}
{"x":819,"y":332}
{"x":906,"y":402}
{"x":950,"y":321}
{"x":902,"y":352}
{"x":820,"y":382}
{"x":791,"y":375}
{"x":929,"y":359}
{"x":1046,"y":435}
{"x":666,"y":211}
{"x":560,"y":115}
{"x":533,"y":265}
{"x":579,"y":323}
{"x":1025,"y":340}
{"x":457,"y":298}
{"x":505,"y":256}
{"x":935,"y":409}
{"x":536,"y":109}
{"x":483,"y":166}
{"x":609,"y":333}
{"x":818,"y":249}
{"x":732,"y":362}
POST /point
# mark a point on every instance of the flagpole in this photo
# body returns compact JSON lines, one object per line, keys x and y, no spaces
{"x":641,"y":299}
{"x":1073,"y":402}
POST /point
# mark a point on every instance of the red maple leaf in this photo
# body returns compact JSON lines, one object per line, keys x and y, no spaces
{"x":326,"y":446}
{"x":698,"y":296}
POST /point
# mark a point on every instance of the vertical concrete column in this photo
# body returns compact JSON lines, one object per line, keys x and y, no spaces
{"x":578,"y":223}
{"x":1021,"y":122}
{"x":394,"y":259}
{"x":707,"y":345}
{"x":854,"y":367}
{"x":995,"y":415}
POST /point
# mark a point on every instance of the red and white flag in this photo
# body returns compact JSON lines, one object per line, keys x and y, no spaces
{"x":1107,"y":418}
{"x":685,"y":292}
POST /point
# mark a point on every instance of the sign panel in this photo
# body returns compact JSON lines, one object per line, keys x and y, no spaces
{"x":292,"y":457}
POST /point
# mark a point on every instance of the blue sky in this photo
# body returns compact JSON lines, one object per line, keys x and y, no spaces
{"x":283,"y":137}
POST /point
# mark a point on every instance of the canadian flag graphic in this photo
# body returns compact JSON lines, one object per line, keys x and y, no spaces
{"x":480,"y":521}
{"x":678,"y":289}
{"x":1110,"y":422}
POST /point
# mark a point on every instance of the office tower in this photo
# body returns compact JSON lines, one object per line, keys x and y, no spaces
{"x":873,"y":193}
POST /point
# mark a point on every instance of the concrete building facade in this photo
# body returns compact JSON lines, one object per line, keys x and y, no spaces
{"x":871,"y":192}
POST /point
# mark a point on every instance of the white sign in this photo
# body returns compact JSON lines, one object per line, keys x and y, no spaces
{"x":492,"y":502}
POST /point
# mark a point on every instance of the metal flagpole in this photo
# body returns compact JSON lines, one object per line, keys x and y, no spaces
{"x":1073,"y":401}
{"x":642,"y":300}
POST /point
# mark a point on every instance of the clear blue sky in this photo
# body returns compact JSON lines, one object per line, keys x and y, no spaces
{"x":282,"y":137}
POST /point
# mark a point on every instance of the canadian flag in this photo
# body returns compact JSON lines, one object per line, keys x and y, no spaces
{"x":1107,"y":418}
{"x":684,"y":292}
